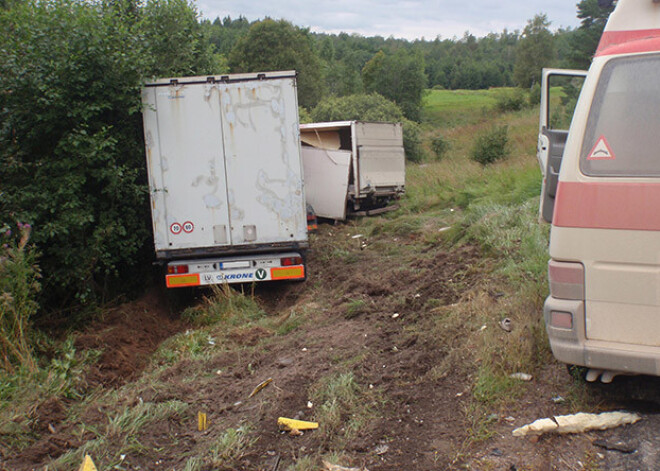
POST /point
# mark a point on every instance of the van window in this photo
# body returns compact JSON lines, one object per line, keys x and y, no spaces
{"x":622,"y":137}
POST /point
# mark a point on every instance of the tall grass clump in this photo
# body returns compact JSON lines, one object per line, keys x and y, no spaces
{"x":226,"y":305}
{"x":491,"y":146}
{"x":439,"y":146}
{"x":19,"y":285}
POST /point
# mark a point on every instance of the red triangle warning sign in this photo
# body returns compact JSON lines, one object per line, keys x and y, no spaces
{"x":601,"y":151}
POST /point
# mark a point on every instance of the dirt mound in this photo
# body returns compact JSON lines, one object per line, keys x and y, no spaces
{"x":126,"y":336}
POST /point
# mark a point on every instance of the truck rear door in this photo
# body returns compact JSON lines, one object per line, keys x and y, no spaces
{"x":559,"y":93}
{"x":263,"y":163}
{"x":380,"y":155}
{"x":185,"y":156}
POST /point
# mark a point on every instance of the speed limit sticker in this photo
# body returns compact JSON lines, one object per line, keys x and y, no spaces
{"x":188,"y":227}
{"x":175,"y":228}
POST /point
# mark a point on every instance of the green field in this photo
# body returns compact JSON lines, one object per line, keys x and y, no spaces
{"x":448,"y":108}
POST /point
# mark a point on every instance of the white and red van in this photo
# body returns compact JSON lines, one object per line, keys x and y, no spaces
{"x":602,"y":194}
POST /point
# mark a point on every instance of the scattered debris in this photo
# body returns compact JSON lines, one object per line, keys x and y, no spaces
{"x":357,"y":236}
{"x":260,"y":386}
{"x":335,"y":467}
{"x":510,"y":419}
{"x":618,"y":446}
{"x":521,"y":376}
{"x":277,"y":463}
{"x":51,"y":429}
{"x":395,"y":315}
{"x":558,"y":400}
{"x":87,"y":464}
{"x":483,"y":327}
{"x":506,"y":324}
{"x":202,"y":423}
{"x":497,"y":452}
{"x":289,"y":424}
{"x":284,"y":362}
{"x":310,"y":404}
{"x":382,"y":449}
{"x":443,"y":229}
{"x":577,"y":423}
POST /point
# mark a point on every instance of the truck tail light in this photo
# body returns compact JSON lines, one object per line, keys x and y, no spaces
{"x":566,"y":280}
{"x":177,"y":269}
{"x":290,"y":261}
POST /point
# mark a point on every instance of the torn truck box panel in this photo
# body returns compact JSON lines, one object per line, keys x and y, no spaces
{"x":224,"y":164}
{"x":375,"y":172}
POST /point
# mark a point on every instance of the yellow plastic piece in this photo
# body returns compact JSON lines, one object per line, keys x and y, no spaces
{"x":292,"y":424}
{"x":87,"y":464}
{"x":202,"y":424}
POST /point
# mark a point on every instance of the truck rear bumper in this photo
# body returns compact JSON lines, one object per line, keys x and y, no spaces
{"x":237,"y":269}
{"x":570,"y":345}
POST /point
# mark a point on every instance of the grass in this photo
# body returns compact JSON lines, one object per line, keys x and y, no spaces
{"x":342,"y":407}
{"x":230,"y":447}
{"x":451,"y":108}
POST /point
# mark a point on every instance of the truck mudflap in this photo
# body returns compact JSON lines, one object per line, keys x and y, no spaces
{"x":189,"y":273}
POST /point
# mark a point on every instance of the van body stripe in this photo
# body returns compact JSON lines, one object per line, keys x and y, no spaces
{"x":608,"y":205}
{"x":628,"y":42}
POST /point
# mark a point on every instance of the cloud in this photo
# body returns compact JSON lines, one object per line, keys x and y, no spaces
{"x":408,"y":19}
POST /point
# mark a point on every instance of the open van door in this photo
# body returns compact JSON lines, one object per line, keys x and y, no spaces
{"x":560,"y":90}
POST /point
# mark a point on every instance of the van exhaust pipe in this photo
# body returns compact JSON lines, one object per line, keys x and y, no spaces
{"x":606,"y":376}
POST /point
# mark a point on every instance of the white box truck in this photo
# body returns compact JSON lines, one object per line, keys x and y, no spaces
{"x":352,"y":167}
{"x":602,"y":195}
{"x":225,"y":178}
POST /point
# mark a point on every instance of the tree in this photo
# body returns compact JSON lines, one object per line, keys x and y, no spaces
{"x":278,"y":45}
{"x":535,"y":50}
{"x":584,"y":40}
{"x":399,"y":77}
{"x":178,"y":45}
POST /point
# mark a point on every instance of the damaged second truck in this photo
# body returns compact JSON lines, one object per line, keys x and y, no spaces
{"x":225,"y":178}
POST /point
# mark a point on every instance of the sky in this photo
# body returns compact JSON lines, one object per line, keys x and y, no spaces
{"x":409,"y":19}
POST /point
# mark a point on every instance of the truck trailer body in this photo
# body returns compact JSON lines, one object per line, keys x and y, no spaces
{"x":225,"y":178}
{"x":352,"y":165}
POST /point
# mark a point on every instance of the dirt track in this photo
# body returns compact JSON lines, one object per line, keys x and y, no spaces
{"x":421,"y":416}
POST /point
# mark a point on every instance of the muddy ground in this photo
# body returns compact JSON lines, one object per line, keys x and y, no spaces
{"x":375,"y":315}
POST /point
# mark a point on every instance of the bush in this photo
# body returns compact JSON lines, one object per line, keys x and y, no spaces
{"x":71,"y":144}
{"x":491,"y":146}
{"x":535,"y":95}
{"x":514,"y":100}
{"x":440,"y":146}
{"x":371,"y":107}
{"x":19,"y":286}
